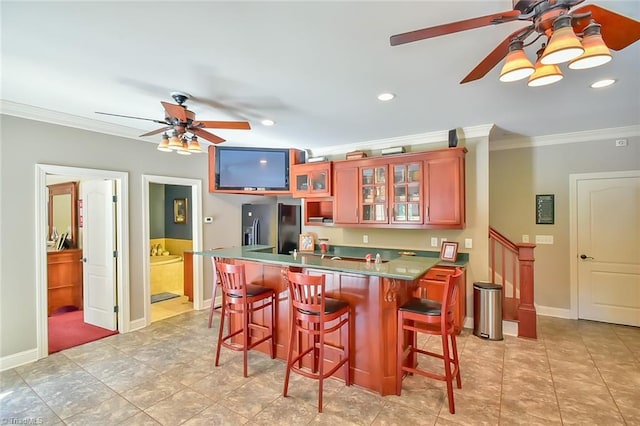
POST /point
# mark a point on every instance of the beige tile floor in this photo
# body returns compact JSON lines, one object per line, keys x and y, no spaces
{"x":577,"y":372}
{"x":169,"y":308}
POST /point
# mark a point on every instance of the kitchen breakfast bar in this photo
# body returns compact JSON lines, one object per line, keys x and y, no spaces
{"x":373,"y":290}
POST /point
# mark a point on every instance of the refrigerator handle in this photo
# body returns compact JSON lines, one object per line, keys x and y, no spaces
{"x":255,"y":231}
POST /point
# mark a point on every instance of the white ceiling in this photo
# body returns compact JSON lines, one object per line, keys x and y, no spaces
{"x":313,"y":67}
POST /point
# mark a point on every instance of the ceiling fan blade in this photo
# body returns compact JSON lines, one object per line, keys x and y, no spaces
{"x":496,"y":55}
{"x":618,"y":31}
{"x":155,"y":132}
{"x":238,"y":125}
{"x":175,"y":111}
{"x":206,"y":135}
{"x":136,"y":118}
{"x":454,"y":27}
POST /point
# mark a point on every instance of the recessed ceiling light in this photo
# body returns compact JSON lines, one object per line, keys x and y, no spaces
{"x":267,"y":122}
{"x":602,"y":83}
{"x":386,"y":96}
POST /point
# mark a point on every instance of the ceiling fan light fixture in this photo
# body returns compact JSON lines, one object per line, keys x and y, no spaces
{"x":517,"y":66}
{"x":563,"y":45}
{"x":174,"y":141}
{"x":596,"y":52}
{"x":164,"y":143}
{"x":194,"y":145}
{"x":184,"y":149}
{"x":545,"y":75}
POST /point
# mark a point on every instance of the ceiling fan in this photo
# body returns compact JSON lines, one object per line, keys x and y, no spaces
{"x":181,"y":120}
{"x":546,"y":17}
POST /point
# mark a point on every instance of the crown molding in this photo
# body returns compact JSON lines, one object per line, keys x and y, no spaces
{"x":564,"y":138}
{"x":63,"y":119}
{"x":473,"y":132}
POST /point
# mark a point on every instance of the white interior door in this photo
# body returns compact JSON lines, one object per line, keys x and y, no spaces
{"x":608,"y":243}
{"x":98,"y":245}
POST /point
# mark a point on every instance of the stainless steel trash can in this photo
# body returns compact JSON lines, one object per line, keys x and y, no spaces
{"x":487,"y":311}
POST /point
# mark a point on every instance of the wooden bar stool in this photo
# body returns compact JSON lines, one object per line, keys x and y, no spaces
{"x":214,"y":289}
{"x":239,"y":298}
{"x":435,"y":318}
{"x":314,"y":315}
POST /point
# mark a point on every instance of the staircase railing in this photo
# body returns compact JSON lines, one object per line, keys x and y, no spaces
{"x":511,"y":266}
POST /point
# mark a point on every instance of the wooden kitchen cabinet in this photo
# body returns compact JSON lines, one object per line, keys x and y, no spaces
{"x":345,"y":197}
{"x":311,"y":180}
{"x":64,"y":279}
{"x":424,"y":190}
{"x":444,"y":194}
{"x":432,"y":284}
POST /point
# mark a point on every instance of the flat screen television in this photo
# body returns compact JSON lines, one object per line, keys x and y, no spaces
{"x":252,"y":169}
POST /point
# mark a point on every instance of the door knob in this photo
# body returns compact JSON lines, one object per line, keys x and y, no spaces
{"x":83,"y":260}
{"x":585,"y":257}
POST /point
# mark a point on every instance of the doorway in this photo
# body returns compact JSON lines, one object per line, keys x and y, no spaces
{"x":120,"y":264}
{"x":192,"y":220}
{"x":606,"y":246}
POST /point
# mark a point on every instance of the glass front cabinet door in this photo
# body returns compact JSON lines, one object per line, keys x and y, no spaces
{"x":373,"y":194}
{"x":406,"y":193}
{"x":311,"y":180}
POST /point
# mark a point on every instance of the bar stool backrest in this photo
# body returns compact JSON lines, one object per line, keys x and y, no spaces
{"x":307,"y":295}
{"x":232,"y":279}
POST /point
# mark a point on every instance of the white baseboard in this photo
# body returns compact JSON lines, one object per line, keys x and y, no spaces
{"x":16,"y":360}
{"x":137,"y":324}
{"x":549,"y":311}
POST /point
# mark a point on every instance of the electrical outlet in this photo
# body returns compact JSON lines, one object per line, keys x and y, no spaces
{"x":468,"y":243}
{"x":442,"y":240}
{"x":434,"y":241}
{"x":365,"y":239}
{"x":525,"y":238}
{"x":621,"y":142}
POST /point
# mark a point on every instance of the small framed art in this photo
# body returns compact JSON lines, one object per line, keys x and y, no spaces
{"x":307,"y":242}
{"x":449,"y":251}
{"x":180,"y":210}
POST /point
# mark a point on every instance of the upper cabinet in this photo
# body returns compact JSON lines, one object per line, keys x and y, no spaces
{"x":417,"y":190}
{"x":311,"y":180}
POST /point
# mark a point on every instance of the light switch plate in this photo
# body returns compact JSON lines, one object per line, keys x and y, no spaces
{"x":434,"y":241}
{"x":544,"y":239}
{"x":468,"y":243}
{"x":365,"y":239}
{"x":525,"y":238}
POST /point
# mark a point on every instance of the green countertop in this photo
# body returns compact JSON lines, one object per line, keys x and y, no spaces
{"x":393,"y":265}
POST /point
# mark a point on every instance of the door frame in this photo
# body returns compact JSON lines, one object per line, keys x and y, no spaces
{"x":122,"y":245}
{"x":196,"y":235}
{"x":574,"y":179}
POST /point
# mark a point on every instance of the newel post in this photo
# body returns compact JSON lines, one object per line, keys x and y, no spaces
{"x":526,"y":310}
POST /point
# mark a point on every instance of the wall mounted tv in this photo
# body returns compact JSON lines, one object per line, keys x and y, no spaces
{"x":251,"y":169}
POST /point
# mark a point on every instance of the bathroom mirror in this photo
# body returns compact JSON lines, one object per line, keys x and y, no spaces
{"x":63,"y":210}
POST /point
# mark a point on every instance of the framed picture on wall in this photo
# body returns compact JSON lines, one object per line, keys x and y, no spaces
{"x":180,"y":210}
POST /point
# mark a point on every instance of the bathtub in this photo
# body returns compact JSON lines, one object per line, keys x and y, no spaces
{"x":167,"y":274}
{"x":163,"y":260}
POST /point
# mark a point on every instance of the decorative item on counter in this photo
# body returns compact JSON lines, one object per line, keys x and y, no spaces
{"x":306,"y":242}
{"x":54,"y":234}
{"x":295,"y":254}
{"x":324,"y":245}
{"x":367,"y":257}
{"x":449,"y":251}
{"x":165,"y":253}
{"x":378,"y":258}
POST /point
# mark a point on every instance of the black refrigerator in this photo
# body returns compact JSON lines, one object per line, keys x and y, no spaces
{"x":271,"y":224}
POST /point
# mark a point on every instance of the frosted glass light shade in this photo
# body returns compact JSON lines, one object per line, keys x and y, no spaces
{"x":164,"y":144}
{"x":174,"y":142}
{"x":596,"y":52}
{"x":517,"y":66}
{"x":563,"y":45}
{"x":544,"y":75}
{"x":184,"y":149}
{"x":194,"y":145}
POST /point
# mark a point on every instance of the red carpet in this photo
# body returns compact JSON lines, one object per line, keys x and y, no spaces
{"x":68,"y":329}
